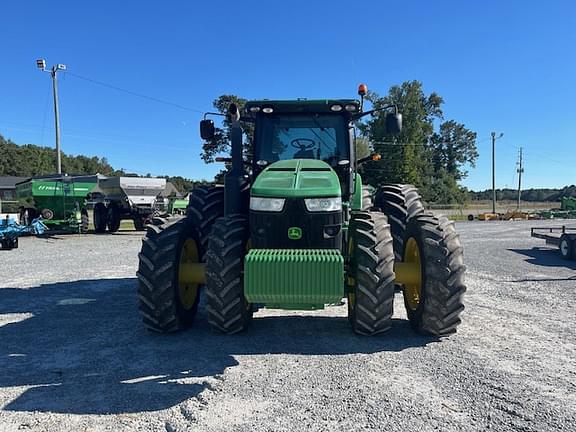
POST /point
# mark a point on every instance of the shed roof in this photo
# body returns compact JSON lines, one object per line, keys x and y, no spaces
{"x":9,"y":182}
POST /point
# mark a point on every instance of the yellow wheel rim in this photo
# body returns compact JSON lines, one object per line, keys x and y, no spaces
{"x":413,"y":291}
{"x":187,"y":291}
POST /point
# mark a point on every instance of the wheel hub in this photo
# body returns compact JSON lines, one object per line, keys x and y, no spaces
{"x":564,"y":247}
{"x":413,"y":288}
{"x":189,"y":265}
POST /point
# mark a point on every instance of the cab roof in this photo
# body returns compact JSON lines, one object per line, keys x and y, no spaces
{"x":303,"y":106}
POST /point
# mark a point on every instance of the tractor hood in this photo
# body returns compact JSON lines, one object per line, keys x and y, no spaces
{"x":297,"y":178}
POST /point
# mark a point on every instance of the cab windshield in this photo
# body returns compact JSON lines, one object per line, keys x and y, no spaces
{"x":318,"y":136}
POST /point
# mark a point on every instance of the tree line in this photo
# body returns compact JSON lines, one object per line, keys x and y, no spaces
{"x":528,"y":195}
{"x":31,"y":160}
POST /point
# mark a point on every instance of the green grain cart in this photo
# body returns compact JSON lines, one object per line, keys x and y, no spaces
{"x":294,"y":228}
{"x":59,"y":199}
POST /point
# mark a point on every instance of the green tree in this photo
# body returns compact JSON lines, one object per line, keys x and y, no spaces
{"x":404,"y":158}
{"x":221,"y":142}
{"x":453,"y":147}
{"x":363,"y":147}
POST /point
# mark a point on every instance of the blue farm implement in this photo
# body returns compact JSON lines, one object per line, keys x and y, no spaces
{"x":10,"y":231}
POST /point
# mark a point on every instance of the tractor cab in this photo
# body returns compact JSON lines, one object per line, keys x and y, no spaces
{"x":320,"y":130}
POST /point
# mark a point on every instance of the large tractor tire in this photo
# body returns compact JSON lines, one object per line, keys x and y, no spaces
{"x":114,"y":218}
{"x":100,"y":215}
{"x":167,"y":300}
{"x":228,"y":310}
{"x":400,"y":203}
{"x":366,"y":198}
{"x":434,"y":304}
{"x":371,"y":273}
{"x":205,"y":206}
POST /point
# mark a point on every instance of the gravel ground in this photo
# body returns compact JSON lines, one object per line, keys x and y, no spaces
{"x":74,"y":356}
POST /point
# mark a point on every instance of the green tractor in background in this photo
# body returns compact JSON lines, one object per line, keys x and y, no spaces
{"x":294,"y":228}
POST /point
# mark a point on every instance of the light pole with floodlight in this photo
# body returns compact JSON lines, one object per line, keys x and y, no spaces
{"x":494,"y":138}
{"x":41,"y":63}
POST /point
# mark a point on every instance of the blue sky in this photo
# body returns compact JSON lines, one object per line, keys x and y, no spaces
{"x":507,"y":66}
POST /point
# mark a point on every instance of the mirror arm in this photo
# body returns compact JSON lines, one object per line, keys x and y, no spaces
{"x":242,"y":119}
{"x":370,"y":157}
{"x":213,"y":113}
{"x":384,"y":108}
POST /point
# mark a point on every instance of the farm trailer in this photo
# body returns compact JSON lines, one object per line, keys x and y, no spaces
{"x":122,"y":198}
{"x":59,"y":199}
{"x":563,"y":237}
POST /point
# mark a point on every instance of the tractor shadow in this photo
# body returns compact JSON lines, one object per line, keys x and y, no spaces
{"x":545,"y":257}
{"x":79,"y":347}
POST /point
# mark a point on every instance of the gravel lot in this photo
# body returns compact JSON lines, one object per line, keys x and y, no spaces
{"x":74,"y":356}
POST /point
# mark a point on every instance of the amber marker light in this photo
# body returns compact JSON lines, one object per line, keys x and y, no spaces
{"x":362,"y":90}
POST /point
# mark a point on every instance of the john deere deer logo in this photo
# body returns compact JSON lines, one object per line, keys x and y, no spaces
{"x":294,"y":233}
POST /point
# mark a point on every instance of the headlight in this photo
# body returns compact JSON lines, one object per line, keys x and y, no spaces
{"x":323,"y":204}
{"x":267,"y":204}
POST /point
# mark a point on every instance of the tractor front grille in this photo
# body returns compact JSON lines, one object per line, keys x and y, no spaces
{"x":320,"y":230}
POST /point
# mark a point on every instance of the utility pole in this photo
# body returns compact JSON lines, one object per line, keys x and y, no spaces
{"x":494,"y":138}
{"x":520,"y":170}
{"x":41,"y":63}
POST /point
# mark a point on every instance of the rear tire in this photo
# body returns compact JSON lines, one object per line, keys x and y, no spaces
{"x":100,"y":215}
{"x":371,"y":296}
{"x":439,"y":300}
{"x":205,"y":206}
{"x":566,"y":247}
{"x":114,"y":219}
{"x":139,"y":224}
{"x":159,"y":292}
{"x":400,"y":203}
{"x":228,"y":310}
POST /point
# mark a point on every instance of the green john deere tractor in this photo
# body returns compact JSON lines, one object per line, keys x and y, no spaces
{"x":293,"y":228}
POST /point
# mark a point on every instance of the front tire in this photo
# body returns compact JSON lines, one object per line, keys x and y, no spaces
{"x":435,"y":303}
{"x":371,"y":294}
{"x":228,"y":310}
{"x":167,"y":303}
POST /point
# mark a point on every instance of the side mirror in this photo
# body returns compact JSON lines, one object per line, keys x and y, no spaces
{"x":207,"y":129}
{"x":394,"y":123}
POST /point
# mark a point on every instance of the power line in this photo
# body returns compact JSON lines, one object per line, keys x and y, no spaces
{"x":154,"y":99}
